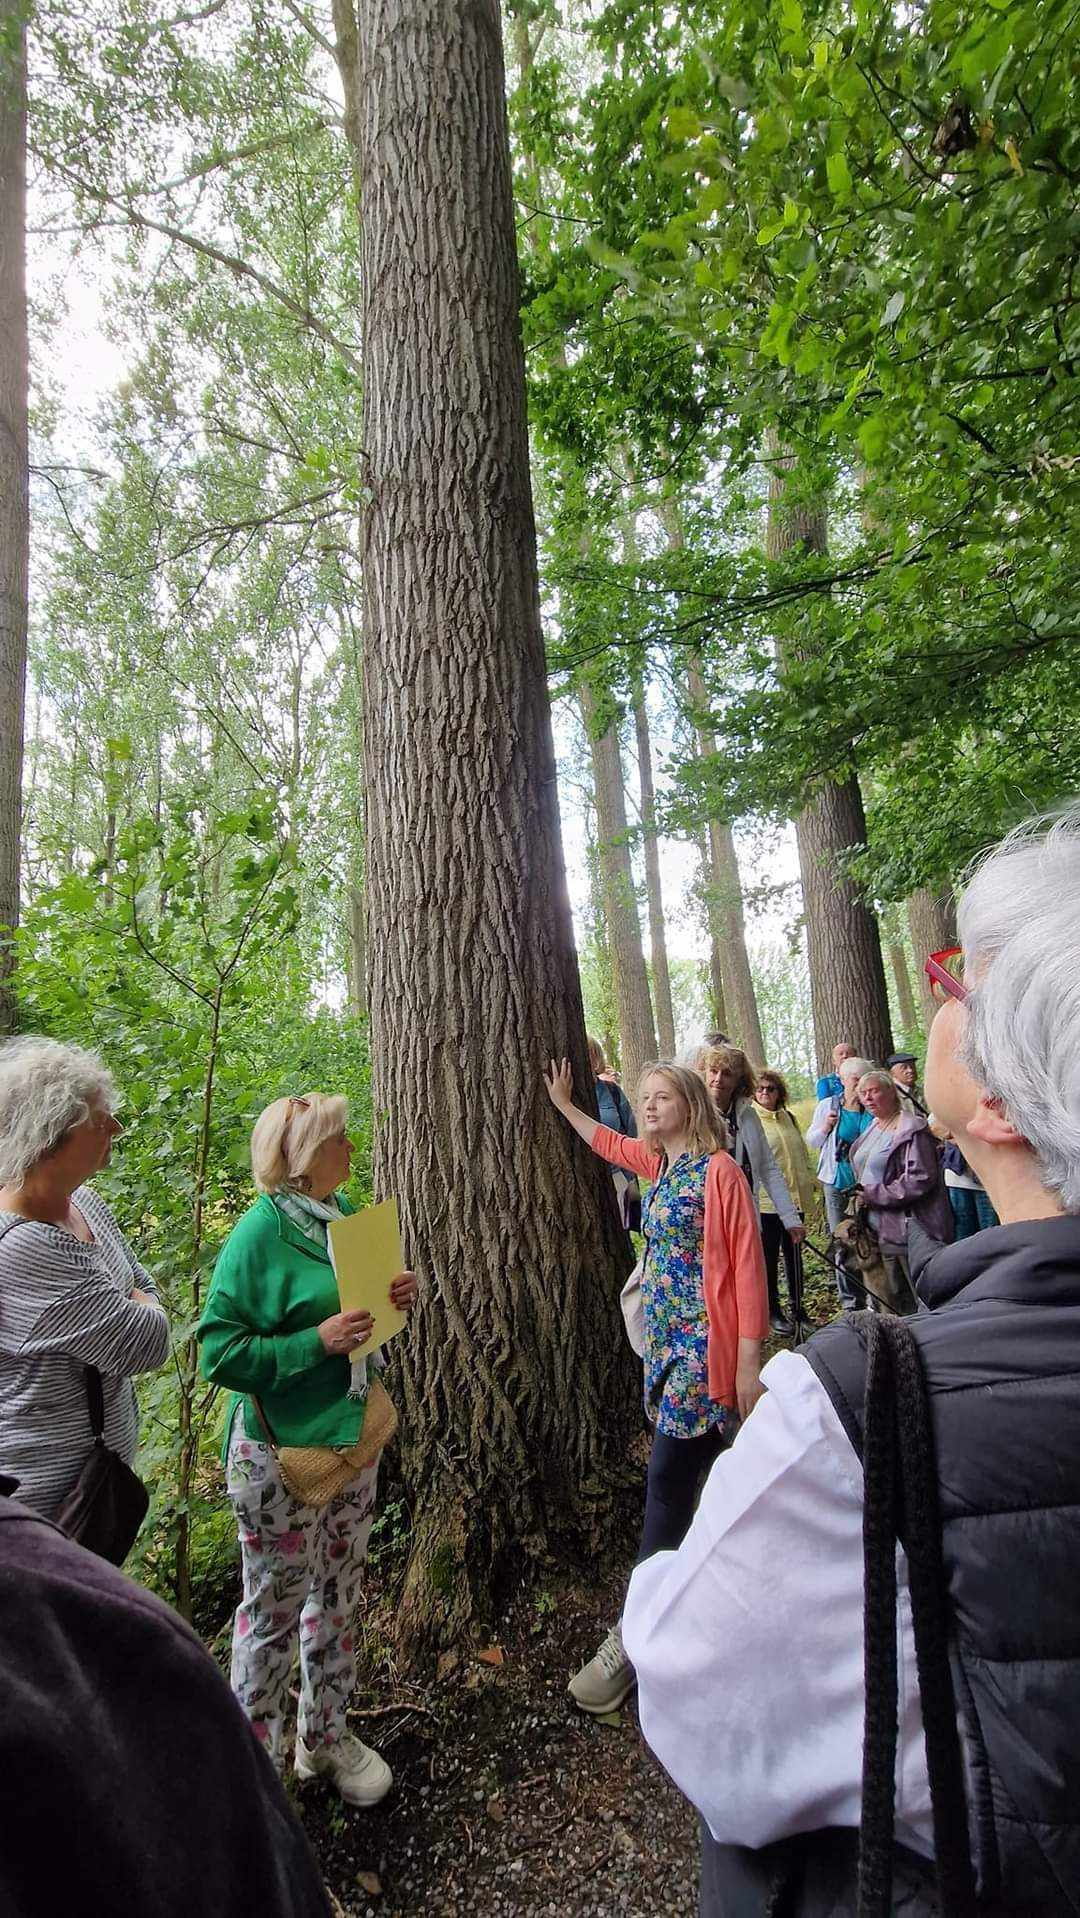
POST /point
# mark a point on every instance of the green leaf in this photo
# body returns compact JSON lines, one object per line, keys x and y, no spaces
{"x":838,"y":174}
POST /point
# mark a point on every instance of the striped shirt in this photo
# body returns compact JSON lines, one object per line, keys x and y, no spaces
{"x":65,"y":1305}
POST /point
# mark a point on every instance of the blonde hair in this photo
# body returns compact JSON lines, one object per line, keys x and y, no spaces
{"x":597,"y":1059}
{"x":287,"y":1136}
{"x":737,"y":1063}
{"x":706,"y":1129}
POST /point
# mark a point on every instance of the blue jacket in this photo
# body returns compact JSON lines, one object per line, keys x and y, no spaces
{"x":615,"y":1108}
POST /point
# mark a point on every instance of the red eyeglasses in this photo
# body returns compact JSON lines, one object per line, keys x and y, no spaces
{"x":943,"y":971}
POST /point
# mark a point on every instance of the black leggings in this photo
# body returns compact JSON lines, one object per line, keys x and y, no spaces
{"x":775,"y":1240}
{"x":676,"y":1468}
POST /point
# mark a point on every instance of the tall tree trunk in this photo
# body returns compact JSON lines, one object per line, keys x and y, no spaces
{"x":519,"y":1394}
{"x":14,"y":476}
{"x":739,"y":995}
{"x":725,"y":884}
{"x":661,"y":974}
{"x":716,"y":968}
{"x":931,"y":918}
{"x":901,"y":972}
{"x":848,"y":993}
{"x":637,"y":1034}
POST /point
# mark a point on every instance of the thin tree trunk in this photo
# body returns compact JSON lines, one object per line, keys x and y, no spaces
{"x":739,"y":995}
{"x":725,"y":884}
{"x":520,"y":1397}
{"x":637,"y":1034}
{"x":848,"y":992}
{"x":356,"y":965}
{"x":931,"y":918}
{"x":901,"y":972}
{"x":661,"y":974}
{"x":14,"y":477}
{"x":716,"y":969}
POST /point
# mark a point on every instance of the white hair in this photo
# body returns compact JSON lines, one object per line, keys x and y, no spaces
{"x":854,"y":1068}
{"x":45,"y":1089}
{"x":877,"y":1076}
{"x":1019,"y":921}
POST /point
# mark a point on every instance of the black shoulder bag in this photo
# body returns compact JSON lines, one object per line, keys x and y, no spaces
{"x":108,"y":1501}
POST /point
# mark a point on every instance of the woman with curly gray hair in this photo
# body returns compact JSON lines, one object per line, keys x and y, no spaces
{"x":72,"y":1295}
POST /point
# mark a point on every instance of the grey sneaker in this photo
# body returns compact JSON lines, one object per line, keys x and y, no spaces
{"x":360,"y":1775}
{"x":602,"y":1684}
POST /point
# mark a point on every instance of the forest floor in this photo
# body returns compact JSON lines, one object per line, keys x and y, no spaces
{"x":507,"y":1801}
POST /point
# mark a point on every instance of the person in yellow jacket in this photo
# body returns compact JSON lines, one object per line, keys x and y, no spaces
{"x":788,"y":1147}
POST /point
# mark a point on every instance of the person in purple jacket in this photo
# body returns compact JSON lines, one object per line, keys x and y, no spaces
{"x":898,"y":1172}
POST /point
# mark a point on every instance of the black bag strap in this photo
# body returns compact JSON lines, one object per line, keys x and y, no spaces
{"x":901,"y":1501}
{"x":95,"y":1402}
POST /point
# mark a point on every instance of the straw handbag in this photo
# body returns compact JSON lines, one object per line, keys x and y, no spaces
{"x":315,"y":1474}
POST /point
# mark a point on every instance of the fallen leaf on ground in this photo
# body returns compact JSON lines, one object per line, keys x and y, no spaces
{"x":370,"y":1882}
{"x":496,"y":1810}
{"x":448,"y":1662}
{"x":492,"y":1656}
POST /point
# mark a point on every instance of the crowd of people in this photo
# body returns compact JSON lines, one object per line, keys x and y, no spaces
{"x":863,"y":1724}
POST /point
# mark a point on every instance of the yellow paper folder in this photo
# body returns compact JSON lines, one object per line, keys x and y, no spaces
{"x":365,"y":1252}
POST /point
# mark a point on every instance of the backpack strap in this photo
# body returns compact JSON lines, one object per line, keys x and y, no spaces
{"x":900,"y":1500}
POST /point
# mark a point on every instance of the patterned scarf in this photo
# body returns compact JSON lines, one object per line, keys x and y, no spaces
{"x":312,"y":1217}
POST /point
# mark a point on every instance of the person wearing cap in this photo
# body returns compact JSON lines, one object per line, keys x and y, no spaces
{"x":904,"y":1069}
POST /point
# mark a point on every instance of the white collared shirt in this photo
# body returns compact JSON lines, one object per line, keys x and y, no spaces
{"x":748,"y":1641}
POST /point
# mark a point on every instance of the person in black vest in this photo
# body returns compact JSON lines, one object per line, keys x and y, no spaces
{"x":748,"y":1641}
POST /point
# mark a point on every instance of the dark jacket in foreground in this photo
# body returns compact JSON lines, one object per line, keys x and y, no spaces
{"x":999,"y":1339}
{"x":130,"y":1780}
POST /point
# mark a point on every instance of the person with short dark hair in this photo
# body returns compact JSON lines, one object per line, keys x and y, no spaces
{"x":130,"y":1781}
{"x":971,"y":1415}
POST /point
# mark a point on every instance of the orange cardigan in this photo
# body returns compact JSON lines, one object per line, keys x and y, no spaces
{"x":732,"y":1260}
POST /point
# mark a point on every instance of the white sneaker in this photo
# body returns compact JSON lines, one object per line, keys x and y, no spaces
{"x":360,"y":1775}
{"x":602,"y":1684}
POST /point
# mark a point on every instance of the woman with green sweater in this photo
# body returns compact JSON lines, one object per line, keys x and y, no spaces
{"x":274,"y":1332}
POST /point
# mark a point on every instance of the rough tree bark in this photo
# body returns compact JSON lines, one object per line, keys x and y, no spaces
{"x":661,"y":973}
{"x":14,"y":476}
{"x":931,"y":917}
{"x":637,"y":1033}
{"x":727,"y":902}
{"x":519,"y":1394}
{"x":848,"y":994}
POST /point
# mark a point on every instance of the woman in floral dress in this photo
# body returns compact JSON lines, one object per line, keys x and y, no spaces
{"x":704,"y":1307}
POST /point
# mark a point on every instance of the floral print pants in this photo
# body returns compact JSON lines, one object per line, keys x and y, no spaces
{"x":302,"y":1567}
